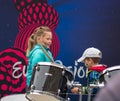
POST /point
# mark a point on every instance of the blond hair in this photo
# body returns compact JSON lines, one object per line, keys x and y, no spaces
{"x":32,"y":40}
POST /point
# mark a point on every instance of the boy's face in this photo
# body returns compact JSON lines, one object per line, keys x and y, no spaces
{"x":88,"y":62}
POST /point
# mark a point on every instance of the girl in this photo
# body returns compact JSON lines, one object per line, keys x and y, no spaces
{"x":38,"y":43}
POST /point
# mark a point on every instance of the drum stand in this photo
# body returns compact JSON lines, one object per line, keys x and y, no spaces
{"x":80,"y":90}
{"x":89,"y":93}
{"x":90,"y":87}
{"x":80,"y":94}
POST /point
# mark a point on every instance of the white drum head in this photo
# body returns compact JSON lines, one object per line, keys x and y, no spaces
{"x":42,"y":97}
{"x":15,"y":97}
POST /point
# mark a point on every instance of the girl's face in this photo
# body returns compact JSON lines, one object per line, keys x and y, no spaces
{"x":46,"y":39}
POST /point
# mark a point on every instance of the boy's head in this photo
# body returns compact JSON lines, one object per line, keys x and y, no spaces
{"x":91,"y":56}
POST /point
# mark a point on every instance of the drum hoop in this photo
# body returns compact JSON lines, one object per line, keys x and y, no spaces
{"x":43,"y":92}
{"x":110,"y":69}
{"x":69,"y":71}
{"x":54,"y":65}
{"x":13,"y":95}
{"x":50,"y":64}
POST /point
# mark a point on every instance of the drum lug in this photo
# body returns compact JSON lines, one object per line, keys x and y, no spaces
{"x":63,"y":73}
{"x":58,"y":91}
{"x":108,"y":74}
{"x":68,"y":99}
{"x":37,"y":68}
{"x":32,"y":87}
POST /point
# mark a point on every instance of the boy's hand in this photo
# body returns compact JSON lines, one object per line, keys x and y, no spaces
{"x":75,"y":90}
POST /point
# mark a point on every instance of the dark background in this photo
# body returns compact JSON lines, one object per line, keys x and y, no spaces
{"x":82,"y":24}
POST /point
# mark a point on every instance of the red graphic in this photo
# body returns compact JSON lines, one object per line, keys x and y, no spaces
{"x":13,"y":66}
{"x":13,"y":62}
{"x":33,"y":14}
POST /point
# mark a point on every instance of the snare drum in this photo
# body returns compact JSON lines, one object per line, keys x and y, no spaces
{"x":49,"y":82}
{"x":108,"y":73}
{"x":14,"y":97}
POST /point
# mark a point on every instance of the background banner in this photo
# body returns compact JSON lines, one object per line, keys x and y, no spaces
{"x":76,"y":25}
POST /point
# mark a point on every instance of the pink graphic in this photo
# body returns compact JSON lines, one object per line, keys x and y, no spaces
{"x":21,"y":4}
{"x":40,"y":13}
{"x":13,"y":66}
{"x":13,"y":62}
{"x":33,"y":14}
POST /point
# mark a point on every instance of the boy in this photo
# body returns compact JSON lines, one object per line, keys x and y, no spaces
{"x":91,"y":58}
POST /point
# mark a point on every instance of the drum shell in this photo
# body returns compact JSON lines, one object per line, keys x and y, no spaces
{"x":108,"y":74}
{"x":50,"y":78}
